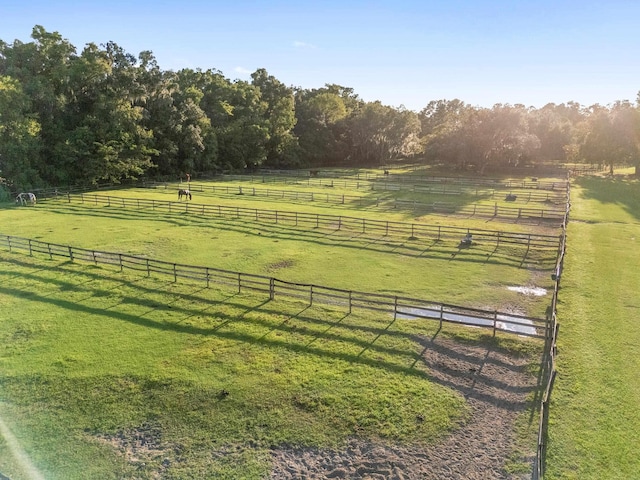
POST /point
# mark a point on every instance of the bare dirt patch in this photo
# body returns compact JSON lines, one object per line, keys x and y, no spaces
{"x":496,"y":386}
{"x":141,"y":447}
{"x":280,"y":265}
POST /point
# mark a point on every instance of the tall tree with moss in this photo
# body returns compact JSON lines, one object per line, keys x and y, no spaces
{"x":19,"y":138}
{"x":282,"y":145}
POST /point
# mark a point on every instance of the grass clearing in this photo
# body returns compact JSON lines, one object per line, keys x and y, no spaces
{"x":93,"y":359}
{"x":594,"y":421}
{"x":150,"y":378}
{"x":434,"y":271}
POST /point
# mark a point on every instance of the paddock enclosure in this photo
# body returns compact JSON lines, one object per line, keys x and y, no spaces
{"x":375,"y":267}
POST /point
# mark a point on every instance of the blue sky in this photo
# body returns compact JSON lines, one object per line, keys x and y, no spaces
{"x":401,"y":52}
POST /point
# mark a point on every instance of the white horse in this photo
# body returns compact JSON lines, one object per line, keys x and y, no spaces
{"x":26,"y":199}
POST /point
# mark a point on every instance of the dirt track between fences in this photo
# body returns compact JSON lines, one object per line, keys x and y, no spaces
{"x":497,"y":389}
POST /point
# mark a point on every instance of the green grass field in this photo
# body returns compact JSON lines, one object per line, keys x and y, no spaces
{"x":477,"y":277}
{"x":114,"y":375}
{"x":595,"y":409}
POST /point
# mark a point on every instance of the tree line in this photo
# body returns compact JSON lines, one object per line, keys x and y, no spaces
{"x":105,"y":115}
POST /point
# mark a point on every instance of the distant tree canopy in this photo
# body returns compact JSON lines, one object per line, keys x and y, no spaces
{"x":106,"y":115}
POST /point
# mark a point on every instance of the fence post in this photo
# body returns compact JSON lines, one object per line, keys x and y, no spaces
{"x":206,"y":273}
{"x":120,"y":260}
{"x":30,"y":249}
{"x":495,"y":322}
{"x":272,"y":287}
{"x":9,"y":242}
{"x":175,"y":274}
{"x":311,"y":295}
{"x":69,"y":197}
{"x":239,"y":282}
{"x":50,"y":255}
{"x":148,"y":269}
{"x":363,"y":225}
{"x":395,"y":308}
{"x":70,"y":253}
{"x":350,"y":295}
{"x":441,"y":315}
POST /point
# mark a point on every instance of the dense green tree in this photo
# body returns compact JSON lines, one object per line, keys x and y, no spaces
{"x":379,"y":133}
{"x":612,"y":135}
{"x":107,"y":115}
{"x":238,"y":118}
{"x":320,"y":126}
{"x":483,"y":138}
{"x":19,"y":136}
{"x":182,"y":134}
{"x":281,"y":146}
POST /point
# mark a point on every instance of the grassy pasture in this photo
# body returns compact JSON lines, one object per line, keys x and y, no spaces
{"x":366,"y":202}
{"x":434,"y":271}
{"x":95,"y":362}
{"x":129,"y":372}
{"x":595,"y":419}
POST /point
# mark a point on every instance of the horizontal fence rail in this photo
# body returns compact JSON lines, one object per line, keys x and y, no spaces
{"x":549,"y":370}
{"x":393,"y":182}
{"x":322,"y":221}
{"x":406,"y":178}
{"x":400,"y":307}
{"x":550,"y":198}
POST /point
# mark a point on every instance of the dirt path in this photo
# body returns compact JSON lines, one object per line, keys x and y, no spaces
{"x":496,"y":388}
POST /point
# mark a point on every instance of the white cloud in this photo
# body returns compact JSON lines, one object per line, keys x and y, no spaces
{"x":242,"y":70}
{"x":299,"y":44}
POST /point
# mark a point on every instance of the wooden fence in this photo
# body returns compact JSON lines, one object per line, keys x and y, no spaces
{"x":519,"y":197}
{"x":398,"y":306}
{"x":334,"y":222}
{"x":276,"y":176}
{"x":549,"y":371}
{"x":321,"y":221}
{"x":395,"y":182}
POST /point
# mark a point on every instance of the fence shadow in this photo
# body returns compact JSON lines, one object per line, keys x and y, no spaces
{"x":481,"y":252}
{"x":308,"y":331}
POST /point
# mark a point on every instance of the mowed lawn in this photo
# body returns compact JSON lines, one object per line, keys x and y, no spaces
{"x":595,"y":410}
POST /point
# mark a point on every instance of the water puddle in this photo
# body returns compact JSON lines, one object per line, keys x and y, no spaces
{"x":504,"y":321}
{"x":529,"y":291}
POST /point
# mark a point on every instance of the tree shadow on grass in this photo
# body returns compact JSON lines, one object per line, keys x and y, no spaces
{"x":254,"y":322}
{"x":615,"y":190}
{"x":416,"y":247}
